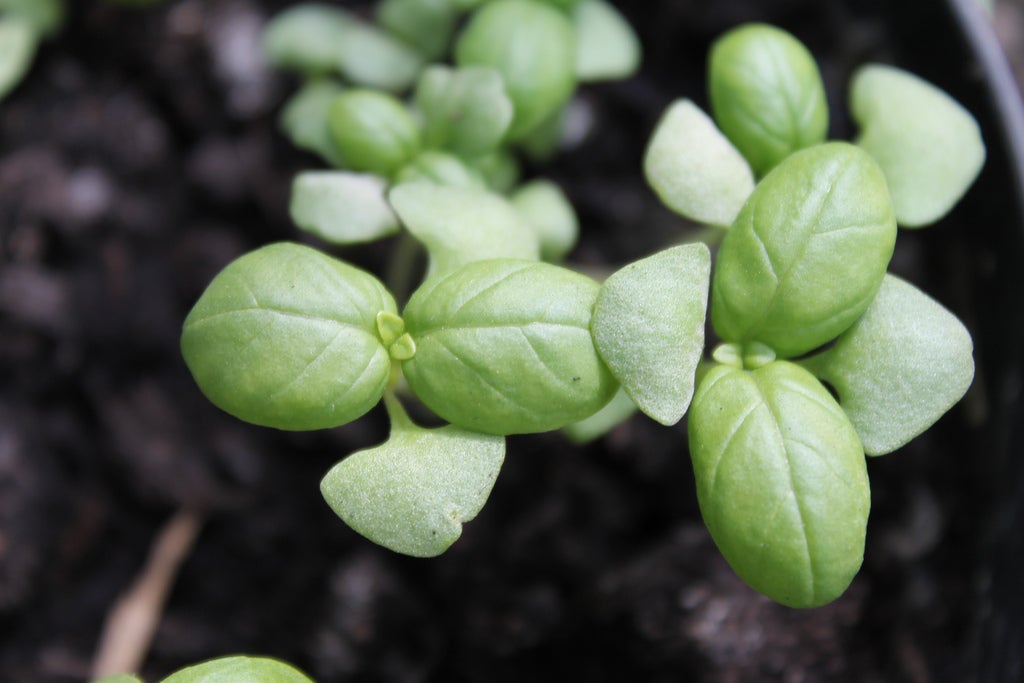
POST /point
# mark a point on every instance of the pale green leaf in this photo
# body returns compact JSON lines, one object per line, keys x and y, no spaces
{"x":928,"y":145}
{"x":286,"y":337}
{"x":459,"y":225}
{"x":694,"y":169}
{"x":781,"y":481}
{"x":43,"y":17}
{"x":342,"y":207}
{"x":607,"y":48}
{"x":239,"y":669}
{"x":533,"y":46}
{"x":899,"y":368}
{"x":412,"y":493}
{"x":433,"y":166}
{"x":464,"y":110}
{"x":304,"y":119}
{"x":807,"y":253}
{"x":426,"y":25}
{"x":648,"y":326}
{"x":766,"y":94}
{"x":546,"y":208}
{"x":373,"y":131}
{"x":499,"y":169}
{"x":18,"y":45}
{"x":305,"y":37}
{"x":504,"y":347}
{"x":369,"y":57}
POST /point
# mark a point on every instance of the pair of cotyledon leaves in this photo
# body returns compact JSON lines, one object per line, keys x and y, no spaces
{"x":288,"y":337}
{"x":233,"y":669}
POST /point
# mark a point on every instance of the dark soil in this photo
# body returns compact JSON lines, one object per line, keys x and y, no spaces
{"x":141,"y":155}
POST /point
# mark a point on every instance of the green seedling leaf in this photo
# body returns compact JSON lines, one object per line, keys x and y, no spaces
{"x":18,"y":43}
{"x":459,"y":225}
{"x":899,"y":368}
{"x":533,"y":46}
{"x":499,"y":169}
{"x":781,"y":481}
{"x":374,"y":131}
{"x":504,"y":347}
{"x":342,"y":207}
{"x":286,"y":337}
{"x":120,"y":678}
{"x":607,"y":48}
{"x":465,"y":110}
{"x":305,"y":38}
{"x":617,"y":411}
{"x":546,"y":208}
{"x":807,"y":253}
{"x":694,"y":169}
{"x":412,"y":493}
{"x":369,"y":57}
{"x":43,"y":17}
{"x":929,"y":146}
{"x":766,"y":94}
{"x":439,"y":168}
{"x":304,"y":120}
{"x":648,"y":326}
{"x":239,"y":669}
{"x":425,"y":25}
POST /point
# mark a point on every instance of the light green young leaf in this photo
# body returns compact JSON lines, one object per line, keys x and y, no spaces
{"x":286,"y":337}
{"x":766,"y":94}
{"x":546,"y":208}
{"x":504,"y":347}
{"x":369,"y":57}
{"x":617,"y":411}
{"x":239,"y":669}
{"x":459,"y":225}
{"x":899,"y":368}
{"x":426,"y":25}
{"x":499,"y":169}
{"x":648,"y":326}
{"x":607,"y":48}
{"x":433,"y":166}
{"x":412,"y":493}
{"x":18,"y":44}
{"x":694,"y":169}
{"x":928,"y":145}
{"x":807,"y":253}
{"x":43,"y":17}
{"x":781,"y":481}
{"x":373,"y":131}
{"x":304,"y":120}
{"x":342,"y":207}
{"x":305,"y":38}
{"x":465,"y":110}
{"x":533,"y":46}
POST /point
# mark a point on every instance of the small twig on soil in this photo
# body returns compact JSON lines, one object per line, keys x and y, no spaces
{"x":132,"y":621}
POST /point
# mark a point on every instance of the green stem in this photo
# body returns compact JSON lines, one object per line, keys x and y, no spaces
{"x":400,"y":419}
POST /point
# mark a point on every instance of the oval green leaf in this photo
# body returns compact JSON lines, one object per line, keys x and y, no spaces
{"x":546,"y":208}
{"x":238,"y":669}
{"x":928,"y":145}
{"x":465,"y":110}
{"x":286,"y":337}
{"x":694,"y":169}
{"x":439,"y":168}
{"x":412,"y":493}
{"x":304,"y":119}
{"x":766,"y":94}
{"x":460,"y":225}
{"x":781,"y":481}
{"x":425,"y":25}
{"x":648,"y":326}
{"x":533,"y":47}
{"x":504,"y":346}
{"x":305,"y":38}
{"x":607,"y":48}
{"x":342,"y":207}
{"x":18,"y":45}
{"x":374,"y":131}
{"x":807,"y":253}
{"x":42,"y":17}
{"x":899,"y":368}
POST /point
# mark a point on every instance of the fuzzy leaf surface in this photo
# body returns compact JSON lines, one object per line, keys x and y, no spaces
{"x":607,"y":48}
{"x":464,"y":110}
{"x":807,"y":253}
{"x":504,"y":347}
{"x":460,"y":225}
{"x":693,"y":167}
{"x":899,"y":368}
{"x":781,"y":481}
{"x":285,"y":337}
{"x":648,"y":326}
{"x":412,"y":493}
{"x":928,"y":145}
{"x":237,"y":669}
{"x":766,"y":94}
{"x":342,"y":207}
{"x":533,"y":46}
